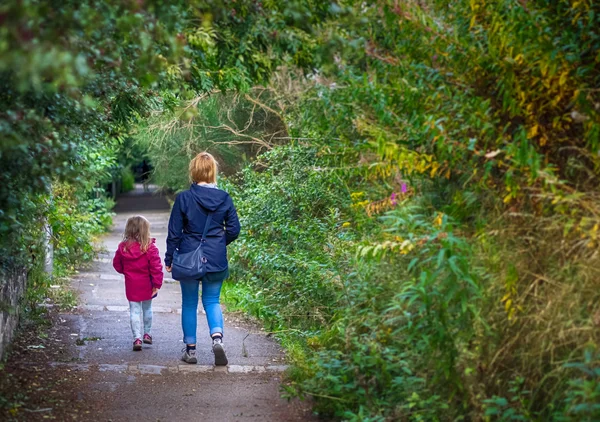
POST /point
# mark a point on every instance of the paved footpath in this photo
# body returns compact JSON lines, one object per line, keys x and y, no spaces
{"x":154,"y":385}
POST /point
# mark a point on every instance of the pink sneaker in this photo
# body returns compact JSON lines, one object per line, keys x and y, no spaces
{"x":137,"y":345}
{"x":147,"y":339}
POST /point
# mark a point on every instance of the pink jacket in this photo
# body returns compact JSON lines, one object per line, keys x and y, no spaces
{"x":142,"y":270}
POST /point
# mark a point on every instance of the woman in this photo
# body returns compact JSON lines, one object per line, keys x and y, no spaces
{"x":186,"y":225}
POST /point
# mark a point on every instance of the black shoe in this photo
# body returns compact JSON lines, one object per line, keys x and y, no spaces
{"x":189,"y":356}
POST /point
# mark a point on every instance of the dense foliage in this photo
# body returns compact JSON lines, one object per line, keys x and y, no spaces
{"x":75,"y":75}
{"x":471,"y":130}
{"x":421,"y":222}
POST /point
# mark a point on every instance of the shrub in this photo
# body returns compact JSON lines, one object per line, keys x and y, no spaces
{"x":127,"y":180}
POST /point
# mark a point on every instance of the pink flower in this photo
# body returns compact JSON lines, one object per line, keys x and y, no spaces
{"x":393,"y":199}
{"x":404,"y":189}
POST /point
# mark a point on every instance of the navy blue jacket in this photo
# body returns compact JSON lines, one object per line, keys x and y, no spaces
{"x":187,"y":221}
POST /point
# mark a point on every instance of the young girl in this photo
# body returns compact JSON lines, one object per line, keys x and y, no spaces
{"x":138,"y":259}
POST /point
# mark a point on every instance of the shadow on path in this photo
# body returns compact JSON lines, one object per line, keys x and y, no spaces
{"x":139,"y":200}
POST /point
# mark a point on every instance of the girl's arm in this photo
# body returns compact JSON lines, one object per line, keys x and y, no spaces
{"x":118,"y":262}
{"x":155,"y":266}
{"x":175,"y":230}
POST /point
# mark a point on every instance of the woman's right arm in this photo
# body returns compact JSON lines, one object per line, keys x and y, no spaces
{"x":175,"y":231}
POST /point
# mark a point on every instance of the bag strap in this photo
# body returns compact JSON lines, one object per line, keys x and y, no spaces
{"x":208,"y":220}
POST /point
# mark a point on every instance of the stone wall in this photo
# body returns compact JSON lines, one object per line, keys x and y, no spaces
{"x":12,"y":289}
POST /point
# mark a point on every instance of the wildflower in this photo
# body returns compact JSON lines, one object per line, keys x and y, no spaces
{"x":393,"y":199}
{"x":403,"y":188}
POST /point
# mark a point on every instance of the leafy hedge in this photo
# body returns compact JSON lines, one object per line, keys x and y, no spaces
{"x":465,"y":136}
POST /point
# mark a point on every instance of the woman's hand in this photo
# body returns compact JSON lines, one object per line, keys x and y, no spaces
{"x":168,"y":269}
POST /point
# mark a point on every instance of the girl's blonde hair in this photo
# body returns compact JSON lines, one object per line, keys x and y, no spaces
{"x":203,"y":168}
{"x":137,"y":229}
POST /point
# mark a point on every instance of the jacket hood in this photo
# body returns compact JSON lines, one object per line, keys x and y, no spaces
{"x":133,"y":251}
{"x":208,"y":197}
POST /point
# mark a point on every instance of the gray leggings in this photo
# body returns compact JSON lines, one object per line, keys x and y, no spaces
{"x":137,"y":312}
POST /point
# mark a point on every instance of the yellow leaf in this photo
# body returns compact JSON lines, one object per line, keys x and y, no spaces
{"x":472,"y":24}
{"x":519,"y":58}
{"x":563,"y":78}
{"x":533,"y":131}
{"x":434,"y":171}
{"x":507,"y":198}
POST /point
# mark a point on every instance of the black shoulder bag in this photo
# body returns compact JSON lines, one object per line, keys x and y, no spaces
{"x":191,"y":265}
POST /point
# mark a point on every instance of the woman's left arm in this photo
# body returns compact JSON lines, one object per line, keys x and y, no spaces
{"x":155,"y":266}
{"x":175,"y":231}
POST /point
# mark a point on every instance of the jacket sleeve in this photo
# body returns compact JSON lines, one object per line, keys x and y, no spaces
{"x":175,"y":231}
{"x":232,"y":224}
{"x":156,"y":270}
{"x":118,"y":262}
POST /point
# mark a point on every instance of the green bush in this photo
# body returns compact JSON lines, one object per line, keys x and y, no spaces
{"x":127,"y":180}
{"x":382,"y":341}
{"x":76,"y":217}
{"x":290,"y":216}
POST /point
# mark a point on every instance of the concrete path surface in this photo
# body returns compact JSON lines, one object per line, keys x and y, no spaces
{"x":154,"y":385}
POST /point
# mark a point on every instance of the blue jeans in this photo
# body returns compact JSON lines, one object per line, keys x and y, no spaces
{"x":211,"y":292}
{"x":138,"y":312}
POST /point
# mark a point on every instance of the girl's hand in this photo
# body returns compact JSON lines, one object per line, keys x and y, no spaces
{"x":168,"y":269}
{"x":154,"y":290}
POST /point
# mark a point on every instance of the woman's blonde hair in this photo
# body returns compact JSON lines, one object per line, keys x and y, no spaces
{"x":203,"y":168}
{"x":137,"y":229}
